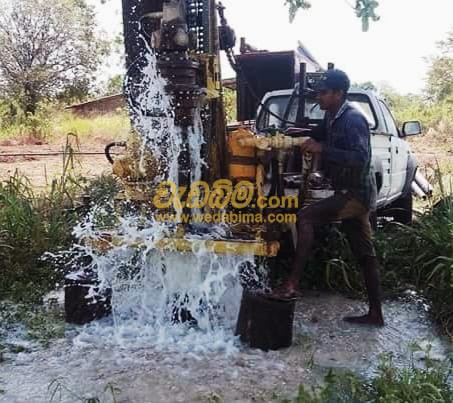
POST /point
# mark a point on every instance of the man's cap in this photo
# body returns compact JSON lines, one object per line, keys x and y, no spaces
{"x":334,"y":80}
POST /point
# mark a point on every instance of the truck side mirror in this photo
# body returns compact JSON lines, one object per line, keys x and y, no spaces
{"x":412,"y":128}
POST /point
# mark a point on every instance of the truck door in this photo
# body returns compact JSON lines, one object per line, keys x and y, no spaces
{"x":399,"y":154}
{"x":380,"y":142}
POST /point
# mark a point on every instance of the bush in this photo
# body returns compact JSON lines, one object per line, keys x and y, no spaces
{"x":428,"y":383}
{"x":14,"y":123}
{"x":32,"y":224}
{"x":50,"y":122}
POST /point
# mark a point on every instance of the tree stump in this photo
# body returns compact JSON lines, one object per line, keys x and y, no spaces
{"x":79,"y":308}
{"x":265,"y":323}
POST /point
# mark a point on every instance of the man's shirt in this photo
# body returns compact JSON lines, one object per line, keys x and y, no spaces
{"x":347,"y":154}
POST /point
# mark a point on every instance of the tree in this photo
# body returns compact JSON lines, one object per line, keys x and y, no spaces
{"x":366,"y":85}
{"x":114,"y":85}
{"x":440,"y":74}
{"x":47,"y":48}
{"x":364,"y":9}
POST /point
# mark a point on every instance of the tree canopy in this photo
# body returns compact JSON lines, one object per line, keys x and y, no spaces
{"x":47,"y":48}
{"x":364,"y":9}
{"x":440,"y":75}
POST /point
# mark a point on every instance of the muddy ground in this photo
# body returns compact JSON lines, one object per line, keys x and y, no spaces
{"x":321,"y":341}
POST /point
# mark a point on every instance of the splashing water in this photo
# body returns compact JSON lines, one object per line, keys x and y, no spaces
{"x":153,"y":117}
{"x":164,"y":299}
{"x":196,"y":142}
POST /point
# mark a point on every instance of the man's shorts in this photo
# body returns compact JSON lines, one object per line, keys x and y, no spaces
{"x":355,"y":218}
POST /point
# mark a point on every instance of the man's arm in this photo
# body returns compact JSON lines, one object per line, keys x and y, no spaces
{"x":357,"y":138}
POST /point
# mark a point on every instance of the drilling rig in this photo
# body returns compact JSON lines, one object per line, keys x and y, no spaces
{"x":187,"y":37}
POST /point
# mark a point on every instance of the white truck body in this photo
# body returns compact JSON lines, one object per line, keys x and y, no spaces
{"x":394,"y":164}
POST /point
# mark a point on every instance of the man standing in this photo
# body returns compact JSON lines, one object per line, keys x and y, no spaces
{"x":346,"y":154}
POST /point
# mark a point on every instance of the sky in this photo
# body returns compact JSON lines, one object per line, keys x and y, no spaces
{"x":394,"y":51}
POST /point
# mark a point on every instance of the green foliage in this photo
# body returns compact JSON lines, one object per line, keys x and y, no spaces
{"x":229,"y":100}
{"x":364,"y":9}
{"x":415,"y":107}
{"x":103,"y":189}
{"x":32,"y":224}
{"x":112,"y":126}
{"x":59,"y":392}
{"x":114,"y":85}
{"x":54,"y":50}
{"x":294,"y":6}
{"x":41,"y":324}
{"x":418,"y":384}
{"x":367,"y":85}
{"x":14,"y":122}
{"x":49,"y":123}
{"x":440,"y":75}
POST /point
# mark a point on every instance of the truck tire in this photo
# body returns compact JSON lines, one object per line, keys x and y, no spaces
{"x":401,"y":210}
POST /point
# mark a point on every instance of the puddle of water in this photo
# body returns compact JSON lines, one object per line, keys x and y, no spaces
{"x":151,"y":374}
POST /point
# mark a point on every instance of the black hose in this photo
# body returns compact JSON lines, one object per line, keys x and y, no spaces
{"x":108,"y":147}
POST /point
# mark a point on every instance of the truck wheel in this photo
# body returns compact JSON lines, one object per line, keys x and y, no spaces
{"x":401,"y":210}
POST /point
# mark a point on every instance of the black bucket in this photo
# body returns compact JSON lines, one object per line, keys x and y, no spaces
{"x":81,"y":308}
{"x":265,"y":323}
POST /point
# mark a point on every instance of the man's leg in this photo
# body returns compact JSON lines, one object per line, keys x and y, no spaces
{"x":358,"y":231}
{"x":322,"y":212}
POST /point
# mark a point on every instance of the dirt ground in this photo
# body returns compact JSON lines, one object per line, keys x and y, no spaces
{"x":321,"y":340}
{"x":40,"y":169}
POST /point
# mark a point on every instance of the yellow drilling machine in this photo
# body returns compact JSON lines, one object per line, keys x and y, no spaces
{"x":262,"y":172}
{"x":187,"y":38}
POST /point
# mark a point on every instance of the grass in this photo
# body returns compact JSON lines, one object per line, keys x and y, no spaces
{"x":32,"y":224}
{"x":39,"y":323}
{"x":59,"y":392}
{"x":427,"y":383}
{"x":51,"y":123}
{"x":112,"y":126}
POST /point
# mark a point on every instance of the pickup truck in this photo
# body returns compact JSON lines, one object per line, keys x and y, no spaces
{"x":394,"y":165}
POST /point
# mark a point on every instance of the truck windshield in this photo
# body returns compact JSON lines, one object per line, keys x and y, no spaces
{"x":279,"y":104}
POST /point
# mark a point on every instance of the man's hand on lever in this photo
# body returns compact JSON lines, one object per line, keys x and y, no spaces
{"x":311,"y":146}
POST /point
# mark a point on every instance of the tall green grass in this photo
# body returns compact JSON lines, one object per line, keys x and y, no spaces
{"x":418,"y":257}
{"x":30,"y":225}
{"x":111,"y":126}
{"x":427,"y":383}
{"x":33,"y":223}
{"x":51,"y":123}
